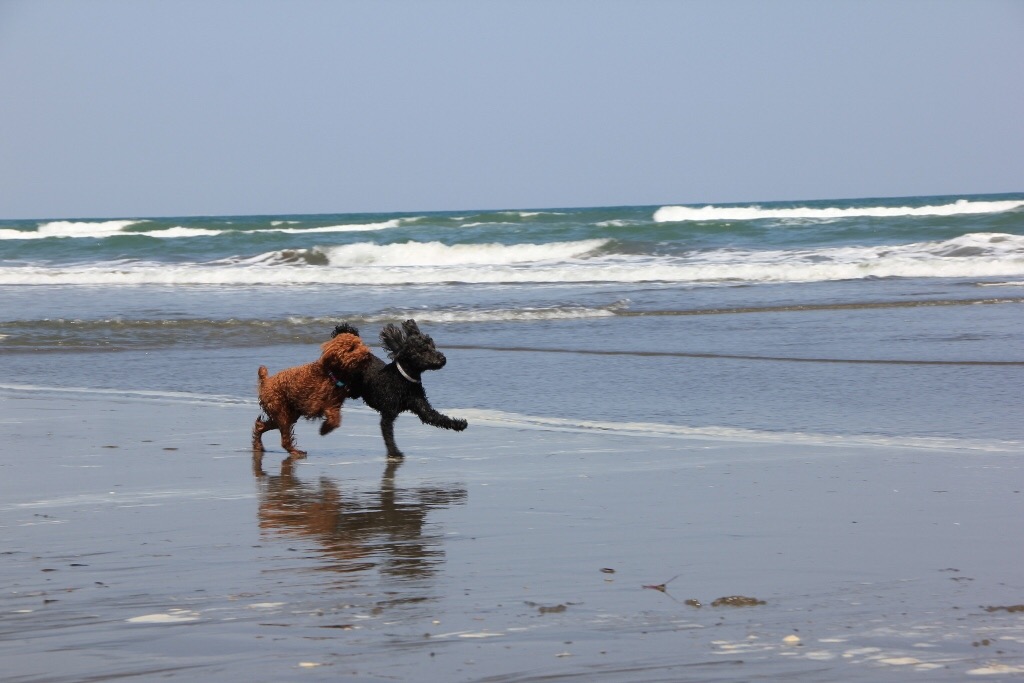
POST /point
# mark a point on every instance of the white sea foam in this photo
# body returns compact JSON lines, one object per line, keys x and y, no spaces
{"x":69,"y":229}
{"x":202,"y":274}
{"x":754,"y":212}
{"x":438,"y":254}
{"x":174,"y":616}
{"x":508,"y":314}
{"x":525,"y":314}
{"x":84,"y":229}
{"x":354,"y":227}
{"x":171,"y":396}
{"x":499,"y":418}
{"x":530,"y":214}
{"x":98,"y":230}
{"x":176,"y":232}
{"x":1019,"y":283}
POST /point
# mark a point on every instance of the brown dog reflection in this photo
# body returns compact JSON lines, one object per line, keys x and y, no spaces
{"x":357,"y":530}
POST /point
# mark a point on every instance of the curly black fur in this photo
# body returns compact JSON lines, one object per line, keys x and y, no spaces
{"x":394,"y":388}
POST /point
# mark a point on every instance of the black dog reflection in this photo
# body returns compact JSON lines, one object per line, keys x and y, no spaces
{"x":357,"y":530}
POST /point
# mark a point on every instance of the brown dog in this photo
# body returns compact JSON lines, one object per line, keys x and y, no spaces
{"x":313,"y":391}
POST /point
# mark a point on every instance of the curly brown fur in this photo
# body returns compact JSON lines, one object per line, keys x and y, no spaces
{"x":396,"y":387}
{"x":309,"y":391}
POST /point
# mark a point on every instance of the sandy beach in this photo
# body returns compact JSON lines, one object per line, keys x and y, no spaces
{"x":140,"y":541}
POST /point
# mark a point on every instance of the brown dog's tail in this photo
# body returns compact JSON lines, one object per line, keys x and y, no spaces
{"x":261,"y":375}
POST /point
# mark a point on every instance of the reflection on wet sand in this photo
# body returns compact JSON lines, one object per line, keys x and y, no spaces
{"x":358,"y":530}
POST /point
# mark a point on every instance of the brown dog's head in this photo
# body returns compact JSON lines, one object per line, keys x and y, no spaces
{"x":346,"y":353}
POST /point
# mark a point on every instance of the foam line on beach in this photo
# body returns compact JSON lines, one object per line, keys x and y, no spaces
{"x":496,"y":418}
{"x":138,"y":394}
{"x":732,"y":356}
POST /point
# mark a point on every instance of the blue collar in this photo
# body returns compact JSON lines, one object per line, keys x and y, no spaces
{"x":337,"y":382}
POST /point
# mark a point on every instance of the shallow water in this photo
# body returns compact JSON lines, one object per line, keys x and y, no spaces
{"x":945,"y":370}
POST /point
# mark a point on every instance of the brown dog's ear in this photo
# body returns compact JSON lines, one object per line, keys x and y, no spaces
{"x":393,"y":340}
{"x":347,"y":350}
{"x":338,"y":341}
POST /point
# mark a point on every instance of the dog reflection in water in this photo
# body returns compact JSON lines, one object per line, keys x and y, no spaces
{"x":357,"y":530}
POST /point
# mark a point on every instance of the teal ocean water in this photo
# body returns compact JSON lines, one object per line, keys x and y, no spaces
{"x":927,"y":237}
{"x":853,"y":319}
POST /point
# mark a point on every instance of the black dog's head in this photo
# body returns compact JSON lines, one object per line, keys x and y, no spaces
{"x":411,"y":348}
{"x":344,"y":328}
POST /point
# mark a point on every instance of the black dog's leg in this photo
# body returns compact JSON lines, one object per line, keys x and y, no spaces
{"x":429,"y":416}
{"x":387,"y":430}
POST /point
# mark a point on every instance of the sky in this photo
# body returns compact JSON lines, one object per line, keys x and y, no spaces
{"x":143,"y":108}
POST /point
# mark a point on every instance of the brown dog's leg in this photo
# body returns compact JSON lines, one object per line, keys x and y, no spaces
{"x":257,"y":432}
{"x":332,"y":420}
{"x":287,"y":429}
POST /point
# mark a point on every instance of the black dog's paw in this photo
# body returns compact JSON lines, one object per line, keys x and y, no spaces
{"x":458,"y":424}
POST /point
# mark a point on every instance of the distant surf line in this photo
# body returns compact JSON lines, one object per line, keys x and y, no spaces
{"x":673,"y":214}
{"x":732,"y":356}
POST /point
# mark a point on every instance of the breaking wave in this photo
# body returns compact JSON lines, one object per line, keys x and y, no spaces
{"x":960,"y":207}
{"x":118,"y":228}
{"x":66,"y":229}
{"x":438,"y":254}
{"x":975,"y":255}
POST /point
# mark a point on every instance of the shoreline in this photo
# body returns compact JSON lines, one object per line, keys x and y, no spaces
{"x":139,"y":541}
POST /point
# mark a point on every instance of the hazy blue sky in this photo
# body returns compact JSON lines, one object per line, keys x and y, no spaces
{"x":180,"y":107}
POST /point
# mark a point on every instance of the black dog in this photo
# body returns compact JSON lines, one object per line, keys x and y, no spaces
{"x":395,"y":387}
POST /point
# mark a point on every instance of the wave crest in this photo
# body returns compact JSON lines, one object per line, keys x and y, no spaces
{"x":353,"y":227}
{"x":68,"y":229}
{"x":115,"y":228}
{"x":438,"y":254}
{"x":674,"y":214}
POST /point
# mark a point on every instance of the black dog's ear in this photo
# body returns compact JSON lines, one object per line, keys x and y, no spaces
{"x":393,"y":339}
{"x":411,"y":327}
{"x":344,"y":328}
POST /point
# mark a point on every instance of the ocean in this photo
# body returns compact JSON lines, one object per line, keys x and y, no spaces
{"x":864,"y":319}
{"x":769,"y":441}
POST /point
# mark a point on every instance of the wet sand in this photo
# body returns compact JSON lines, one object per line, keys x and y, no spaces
{"x":138,"y":540}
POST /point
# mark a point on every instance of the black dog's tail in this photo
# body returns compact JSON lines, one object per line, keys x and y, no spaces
{"x":344,"y":328}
